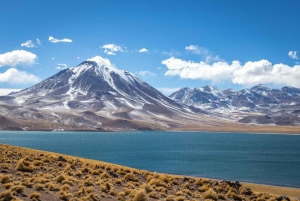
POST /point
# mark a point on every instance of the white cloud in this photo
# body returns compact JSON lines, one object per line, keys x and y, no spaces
{"x":293,"y":54}
{"x":101,"y":61}
{"x":109,"y":53}
{"x":61,"y":66}
{"x":205,"y":53}
{"x":53,"y":58}
{"x":28,"y":44}
{"x":17,"y":57}
{"x":110,"y":49}
{"x":143,"y":50}
{"x":4,"y":92}
{"x":38,"y":42}
{"x":78,"y":57}
{"x":251,"y":73}
{"x":64,"y":40}
{"x":167,"y":91}
{"x":146,"y":74}
{"x":14,"y":76}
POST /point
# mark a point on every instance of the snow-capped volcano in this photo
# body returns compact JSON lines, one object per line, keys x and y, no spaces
{"x":96,"y":86}
{"x":93,"y":83}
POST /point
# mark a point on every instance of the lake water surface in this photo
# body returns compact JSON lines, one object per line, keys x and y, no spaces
{"x":257,"y":158}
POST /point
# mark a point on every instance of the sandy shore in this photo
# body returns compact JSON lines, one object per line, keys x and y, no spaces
{"x":28,"y":174}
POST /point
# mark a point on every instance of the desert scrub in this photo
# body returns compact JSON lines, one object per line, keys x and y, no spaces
{"x":6,"y":196}
{"x":93,"y":197}
{"x":165,"y":178}
{"x":205,"y":181}
{"x":245,"y":191}
{"x":5,"y":178}
{"x":28,"y":182}
{"x":180,"y":198}
{"x":38,"y":187}
{"x":17,"y":189}
{"x":34,"y":195}
{"x":153,"y":195}
{"x":130,"y":177}
{"x":198,"y":182}
{"x":234,"y":195}
{"x":24,"y":166}
{"x":140,"y":196}
{"x":104,"y":175}
{"x":219,"y":188}
{"x":147,"y":187}
{"x":210,"y":194}
{"x":204,"y":188}
{"x":53,"y":187}
{"x":170,"y":198}
{"x":61,"y":178}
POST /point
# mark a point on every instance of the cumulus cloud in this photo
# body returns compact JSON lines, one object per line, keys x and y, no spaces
{"x":146,"y":74}
{"x":205,"y":53}
{"x":4,"y":92}
{"x":31,"y":44}
{"x":293,"y":54}
{"x":101,"y":61}
{"x":143,"y":50}
{"x":110,"y":49}
{"x":28,"y":44}
{"x":64,"y":40}
{"x":14,"y":76}
{"x":17,"y":57}
{"x":251,"y":73}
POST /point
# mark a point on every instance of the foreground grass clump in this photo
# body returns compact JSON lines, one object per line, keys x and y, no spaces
{"x":27,"y":174}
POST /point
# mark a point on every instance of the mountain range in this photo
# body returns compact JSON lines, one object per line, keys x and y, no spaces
{"x":259,"y":104}
{"x":96,"y":96}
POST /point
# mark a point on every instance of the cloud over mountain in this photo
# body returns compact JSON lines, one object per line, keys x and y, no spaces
{"x":111,"y":49}
{"x":251,"y":73}
{"x":14,"y":76}
{"x":17,"y":57}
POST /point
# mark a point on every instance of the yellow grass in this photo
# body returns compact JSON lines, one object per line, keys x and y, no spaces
{"x":25,"y":171}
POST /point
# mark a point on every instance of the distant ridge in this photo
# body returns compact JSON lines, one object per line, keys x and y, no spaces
{"x":276,"y":106}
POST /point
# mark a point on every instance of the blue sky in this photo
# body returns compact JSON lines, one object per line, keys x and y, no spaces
{"x":228,"y":44}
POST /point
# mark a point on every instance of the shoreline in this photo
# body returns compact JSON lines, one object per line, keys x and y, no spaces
{"x":259,"y":190}
{"x":167,"y":131}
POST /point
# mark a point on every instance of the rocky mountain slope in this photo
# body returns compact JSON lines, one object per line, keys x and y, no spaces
{"x":94,"y":95}
{"x":259,"y":104}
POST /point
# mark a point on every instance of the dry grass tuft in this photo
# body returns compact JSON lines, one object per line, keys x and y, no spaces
{"x":34,"y":195}
{"x":210,"y":194}
{"x":6,"y":196}
{"x":24,"y":166}
{"x":180,"y":198}
{"x":140,"y":196}
{"x":5,"y":178}
{"x":130,"y":177}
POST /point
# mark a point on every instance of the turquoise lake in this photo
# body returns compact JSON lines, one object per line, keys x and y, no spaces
{"x":258,"y":158}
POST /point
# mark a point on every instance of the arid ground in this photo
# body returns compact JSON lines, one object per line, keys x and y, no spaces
{"x":27,"y":174}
